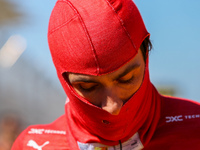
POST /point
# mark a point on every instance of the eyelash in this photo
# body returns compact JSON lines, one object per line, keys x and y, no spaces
{"x":87,"y":90}
{"x":126,"y":81}
{"x":93,"y":87}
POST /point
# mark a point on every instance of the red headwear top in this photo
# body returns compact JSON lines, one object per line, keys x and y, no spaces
{"x":94,"y":36}
{"x":97,"y":37}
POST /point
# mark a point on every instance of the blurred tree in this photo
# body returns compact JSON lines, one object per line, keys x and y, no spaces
{"x":10,"y":14}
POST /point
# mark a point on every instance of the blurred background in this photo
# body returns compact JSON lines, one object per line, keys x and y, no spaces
{"x":30,"y":92}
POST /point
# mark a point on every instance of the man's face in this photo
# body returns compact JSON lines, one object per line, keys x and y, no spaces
{"x":112,"y":90}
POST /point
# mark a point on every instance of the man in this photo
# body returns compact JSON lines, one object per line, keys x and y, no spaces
{"x":100,"y":50}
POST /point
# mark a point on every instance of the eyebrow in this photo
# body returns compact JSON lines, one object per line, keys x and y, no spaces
{"x":83,"y":79}
{"x":125,"y":72}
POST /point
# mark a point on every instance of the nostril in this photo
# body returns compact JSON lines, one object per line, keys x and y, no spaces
{"x":105,"y":122}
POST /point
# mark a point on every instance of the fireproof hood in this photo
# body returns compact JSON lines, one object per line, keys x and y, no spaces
{"x":94,"y":37}
{"x":97,"y":37}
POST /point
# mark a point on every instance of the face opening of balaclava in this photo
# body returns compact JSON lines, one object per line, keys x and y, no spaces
{"x":96,"y":37}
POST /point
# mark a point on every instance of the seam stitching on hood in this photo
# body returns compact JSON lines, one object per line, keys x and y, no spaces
{"x":87,"y":34}
{"x":60,"y":26}
{"x":122,"y":23}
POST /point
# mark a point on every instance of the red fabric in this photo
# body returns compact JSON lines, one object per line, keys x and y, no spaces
{"x":174,"y":135}
{"x":179,"y":126}
{"x":96,"y":37}
{"x":47,"y":137}
{"x":140,"y":112}
{"x":85,"y":36}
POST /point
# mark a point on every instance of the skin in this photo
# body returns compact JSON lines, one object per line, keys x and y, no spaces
{"x":111,"y":91}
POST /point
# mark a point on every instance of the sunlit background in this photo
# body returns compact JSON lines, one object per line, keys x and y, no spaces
{"x":30,"y":92}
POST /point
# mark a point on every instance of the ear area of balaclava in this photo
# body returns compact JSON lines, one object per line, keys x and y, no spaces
{"x":94,"y":37}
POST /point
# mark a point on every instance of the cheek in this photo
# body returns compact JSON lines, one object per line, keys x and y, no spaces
{"x":127,"y":93}
{"x":94,"y":97}
{"x":129,"y":90}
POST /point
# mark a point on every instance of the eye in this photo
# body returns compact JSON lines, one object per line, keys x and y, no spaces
{"x":125,"y":80}
{"x":87,"y":87}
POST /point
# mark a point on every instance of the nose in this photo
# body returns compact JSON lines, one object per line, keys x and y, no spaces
{"x":112,"y":103}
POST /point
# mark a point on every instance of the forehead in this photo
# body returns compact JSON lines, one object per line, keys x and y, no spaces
{"x":136,"y":62}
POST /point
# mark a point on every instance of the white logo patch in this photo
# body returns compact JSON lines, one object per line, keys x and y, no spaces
{"x":32,"y":143}
{"x":45,"y":131}
{"x":181,"y":118}
{"x":174,"y":118}
{"x":133,"y":143}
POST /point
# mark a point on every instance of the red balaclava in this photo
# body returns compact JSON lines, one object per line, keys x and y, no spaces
{"x":97,"y":37}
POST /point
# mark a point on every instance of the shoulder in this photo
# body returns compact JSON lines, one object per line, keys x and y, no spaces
{"x":180,"y":110}
{"x":179,"y":123}
{"x":180,"y":114}
{"x":179,"y":103}
{"x":50,"y":136}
